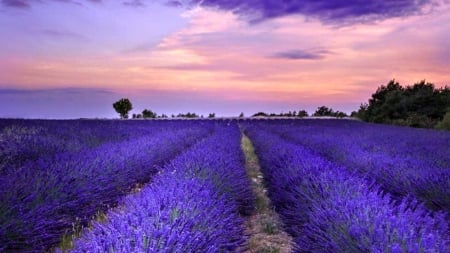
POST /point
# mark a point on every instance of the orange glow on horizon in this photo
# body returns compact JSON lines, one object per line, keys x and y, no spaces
{"x":204,"y":57}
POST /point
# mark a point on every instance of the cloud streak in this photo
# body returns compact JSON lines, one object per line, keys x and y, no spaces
{"x":19,"y":4}
{"x":327,"y":11}
{"x":61,"y":91}
{"x":342,"y":12}
{"x":134,"y":3}
{"x":57,"y":34}
{"x":26,"y":4}
{"x":301,"y":54}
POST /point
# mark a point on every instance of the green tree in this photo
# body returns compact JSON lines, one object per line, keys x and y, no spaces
{"x":302,"y":113}
{"x":211,"y":115}
{"x":418,"y":105}
{"x":362,"y":112}
{"x":146,"y":114}
{"x":339,"y":114}
{"x":122,"y":107}
{"x":323,"y":111}
{"x":260,"y":114}
{"x":445,"y":123}
{"x":385,"y":102}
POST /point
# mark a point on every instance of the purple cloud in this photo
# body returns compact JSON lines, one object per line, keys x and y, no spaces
{"x":174,"y":3}
{"x":69,"y":90}
{"x":20,"y":4}
{"x":25,"y":4}
{"x":134,"y":3}
{"x":301,"y":54}
{"x":327,"y":11}
{"x":63,"y":34}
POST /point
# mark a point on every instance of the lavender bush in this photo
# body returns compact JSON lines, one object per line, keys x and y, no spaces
{"x":327,"y":209}
{"x":192,"y":205}
{"x":41,"y":200}
{"x":403,"y":161}
{"x":22,"y":141}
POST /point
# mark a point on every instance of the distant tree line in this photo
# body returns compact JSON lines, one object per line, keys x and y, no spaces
{"x":123,"y":107}
{"x":418,"y":105}
{"x":325,"y":111}
{"x":148,"y":114}
{"x":301,"y":113}
{"x":189,"y":115}
{"x":322,"y":111}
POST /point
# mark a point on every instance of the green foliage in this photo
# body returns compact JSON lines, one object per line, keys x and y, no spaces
{"x":419,"y":105}
{"x":302,"y":113}
{"x":260,"y":114}
{"x":445,"y":123}
{"x":122,"y":107}
{"x":325,"y":111}
{"x":187,"y":115}
{"x":148,"y":114}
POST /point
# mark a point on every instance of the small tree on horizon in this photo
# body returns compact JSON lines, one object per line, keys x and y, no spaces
{"x":148,"y":114}
{"x":323,"y":111}
{"x":122,"y":107}
{"x":260,"y":114}
{"x":302,"y":113}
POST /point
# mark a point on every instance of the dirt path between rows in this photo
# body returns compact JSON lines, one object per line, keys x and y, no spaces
{"x":264,"y":225}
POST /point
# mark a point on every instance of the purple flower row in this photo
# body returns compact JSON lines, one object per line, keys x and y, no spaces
{"x":41,"y":200}
{"x":403,"y":161}
{"x":22,"y":141}
{"x":193,"y":205}
{"x":327,"y":209}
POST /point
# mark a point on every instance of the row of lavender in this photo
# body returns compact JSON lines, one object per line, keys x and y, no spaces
{"x":193,"y":205}
{"x":327,"y":208}
{"x":403,"y":161}
{"x":22,"y":141}
{"x":41,"y":199}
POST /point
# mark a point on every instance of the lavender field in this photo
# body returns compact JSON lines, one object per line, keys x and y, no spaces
{"x":183,"y":186}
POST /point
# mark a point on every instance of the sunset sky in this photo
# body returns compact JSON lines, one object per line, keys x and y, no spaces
{"x":74,"y":58}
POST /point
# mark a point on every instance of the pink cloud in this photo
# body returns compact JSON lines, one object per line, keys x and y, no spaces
{"x":219,"y":55}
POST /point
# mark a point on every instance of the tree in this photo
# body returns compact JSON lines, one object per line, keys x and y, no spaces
{"x":362,"y":112}
{"x":339,"y":114}
{"x":445,"y":123}
{"x":122,"y":107}
{"x":146,"y":114}
{"x":323,"y":111}
{"x":187,"y":115}
{"x":241,"y":115}
{"x":383,"y":101}
{"x":211,"y":115}
{"x":302,"y":113}
{"x":418,"y":105}
{"x":260,"y":114}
